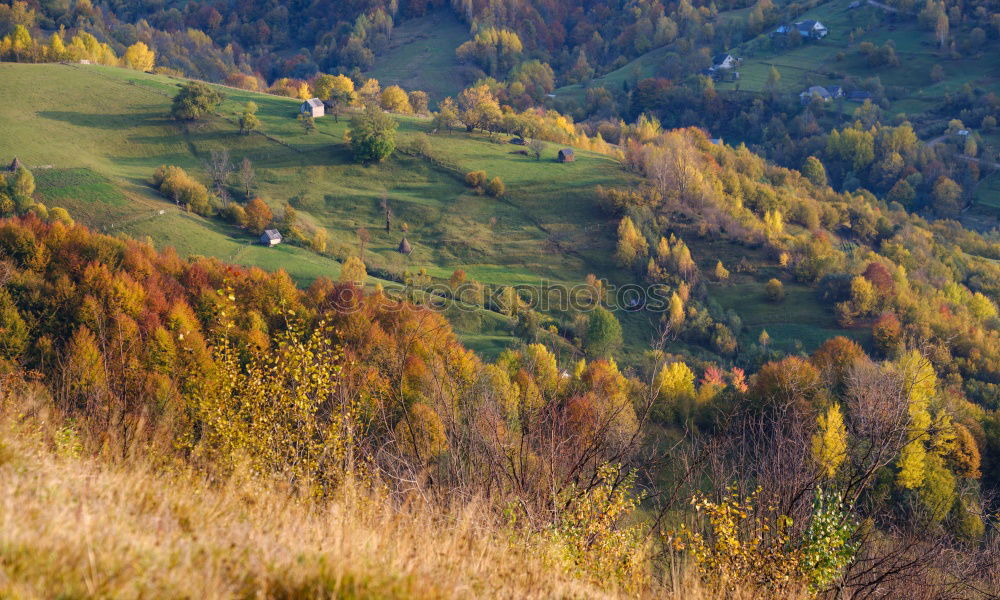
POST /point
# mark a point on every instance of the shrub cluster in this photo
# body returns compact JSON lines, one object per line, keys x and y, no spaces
{"x":481,"y":183}
{"x":174,"y":183}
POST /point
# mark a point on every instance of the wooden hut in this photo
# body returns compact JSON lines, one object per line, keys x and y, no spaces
{"x":312,"y":107}
{"x":566,"y":155}
{"x":270,"y":237}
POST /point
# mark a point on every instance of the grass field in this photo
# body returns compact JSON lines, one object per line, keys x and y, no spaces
{"x":499,"y":241}
{"x":421,"y":56}
{"x":988,"y":192}
{"x":800,"y":323}
{"x":639,"y":68}
{"x":94,"y":135}
{"x":795,"y":324}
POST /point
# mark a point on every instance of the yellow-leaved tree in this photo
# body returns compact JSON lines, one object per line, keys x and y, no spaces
{"x":829,"y":443}
{"x":394,"y":99}
{"x":420,"y":433}
{"x":57,"y":47}
{"x":675,"y":393}
{"x":774,"y":223}
{"x":920,"y":384}
{"x":278,"y":408}
{"x":353,"y":271}
{"x":632,"y":244}
{"x":676,"y":313}
{"x":721,"y":272}
{"x":596,"y":543}
{"x":138,"y":56}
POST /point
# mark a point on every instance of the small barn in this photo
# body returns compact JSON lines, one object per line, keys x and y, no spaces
{"x":566,"y":155}
{"x":723,"y":61}
{"x":816,"y":91}
{"x":811,"y":28}
{"x":313,"y":107}
{"x":404,"y":247}
{"x":270,"y":237}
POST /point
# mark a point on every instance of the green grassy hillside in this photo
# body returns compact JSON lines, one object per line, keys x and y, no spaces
{"x":113,"y":124}
{"x":641,"y":67}
{"x":421,"y":56}
{"x":94,"y":135}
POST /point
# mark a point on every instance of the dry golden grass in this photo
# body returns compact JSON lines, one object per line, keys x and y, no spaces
{"x":74,"y":528}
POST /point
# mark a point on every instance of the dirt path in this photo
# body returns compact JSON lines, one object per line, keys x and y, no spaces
{"x":936,"y":141}
{"x":884,"y":7}
{"x":941,"y":138}
{"x":980,"y":161}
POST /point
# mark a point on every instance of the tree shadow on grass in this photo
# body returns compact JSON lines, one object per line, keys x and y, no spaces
{"x":128,"y":120}
{"x":153,"y":159}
